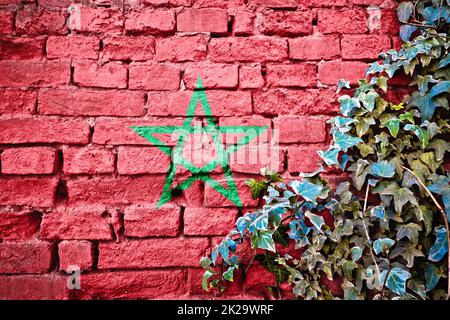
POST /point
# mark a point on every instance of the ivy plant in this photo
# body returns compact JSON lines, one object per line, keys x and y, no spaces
{"x":383,"y":234}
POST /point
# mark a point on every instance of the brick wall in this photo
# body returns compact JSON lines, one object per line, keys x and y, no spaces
{"x":79,"y":187}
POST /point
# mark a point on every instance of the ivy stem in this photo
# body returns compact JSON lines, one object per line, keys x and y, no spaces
{"x":384,"y":282}
{"x":444,"y":218}
{"x":250,"y":263}
{"x":366,"y":229}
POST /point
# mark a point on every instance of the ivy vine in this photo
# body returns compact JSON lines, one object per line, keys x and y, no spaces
{"x":384,"y":233}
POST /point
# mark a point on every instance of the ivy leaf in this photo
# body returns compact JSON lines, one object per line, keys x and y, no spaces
{"x":383,"y":169}
{"x":330,"y":156}
{"x":442,"y":187}
{"x":422,"y":133}
{"x":408,"y":253}
{"x":401,"y":195}
{"x":316,"y":220}
{"x":440,"y":247}
{"x":404,"y":11}
{"x":206,"y":276}
{"x":406,"y":31}
{"x":356,"y":253}
{"x":344,"y":141}
{"x":342,"y":84}
{"x":382,"y":245}
{"x":432,"y":277}
{"x":410,"y":230}
{"x":348,"y":104}
{"x":264,"y":240}
{"x":394,"y":126}
{"x":374,"y":68}
{"x":444,"y":62}
{"x":299,"y":232}
{"x":429,"y":159}
{"x":424,"y":214}
{"x":368,"y":99}
{"x":440,"y":147}
{"x":256,"y":187}
{"x":228,"y":275}
{"x":396,"y":280}
{"x":309,"y":191}
{"x":378,"y":212}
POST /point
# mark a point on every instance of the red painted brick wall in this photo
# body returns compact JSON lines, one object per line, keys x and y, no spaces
{"x":79,"y":187}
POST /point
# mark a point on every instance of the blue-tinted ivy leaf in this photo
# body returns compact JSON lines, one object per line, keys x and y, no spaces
{"x":342,"y":123}
{"x":383,"y":169}
{"x":444,"y":62}
{"x":382,"y":245}
{"x":342,"y":84}
{"x":344,"y":141}
{"x":440,"y":247}
{"x":344,"y":160}
{"x":396,"y":280}
{"x":316,"y":220}
{"x":309,"y":191}
{"x":330,"y":156}
{"x":356,"y":253}
{"x":299,"y":232}
{"x":431,"y":277}
{"x":261,"y":223}
{"x":406,"y":31}
{"x":208,"y":274}
{"x":442,"y":187}
{"x":432,"y":14}
{"x":404,"y":11}
{"x":348,"y":104}
{"x":374,"y":68}
{"x":441,"y":87}
{"x":378,"y":212}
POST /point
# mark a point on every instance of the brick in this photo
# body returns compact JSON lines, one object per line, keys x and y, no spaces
{"x":18,"y":225}
{"x":222,"y":103}
{"x":55,"y":3}
{"x":322,"y":3}
{"x":115,"y":131}
{"x":295,"y":102}
{"x":388,"y":24}
{"x":129,"y":48}
{"x":75,"y":253}
{"x":363,"y":46}
{"x":253,"y":49}
{"x":281,"y":4}
{"x":151,"y":22}
{"x":208,"y":222}
{"x":33,"y":287}
{"x":25,"y":257}
{"x":181,"y":48}
{"x":150,"y":284}
{"x":34,"y":74}
{"x":37,"y":160}
{"x":33,"y":192}
{"x":257,"y":279}
{"x":251,"y":158}
{"x":147,"y":221}
{"x":76,"y":223}
{"x":6,"y":22}
{"x":88,"y":160}
{"x":91,"y":103}
{"x":45,"y":130}
{"x":303,"y":158}
{"x":151,"y":253}
{"x":92,"y":74}
{"x":203,"y":20}
{"x":139,"y":160}
{"x":300,"y":129}
{"x":285,"y":23}
{"x":250,"y":77}
{"x":40,"y":22}
{"x":217,"y":3}
{"x":331,"y":72}
{"x":17,"y":102}
{"x":342,"y":21}
{"x":74,"y":47}
{"x":292,"y":75}
{"x":244,"y":22}
{"x":154,"y":77}
{"x":21,"y":48}
{"x":215,"y":199}
{"x":96,"y":20}
{"x":315,"y":47}
{"x":122,"y":190}
{"x":213,"y":76}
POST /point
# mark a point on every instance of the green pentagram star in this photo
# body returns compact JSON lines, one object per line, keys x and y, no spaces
{"x":215,"y":132}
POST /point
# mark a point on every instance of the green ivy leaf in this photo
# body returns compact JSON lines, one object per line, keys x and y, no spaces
{"x":401,"y":195}
{"x":441,"y":187}
{"x":356,"y":253}
{"x":316,"y":220}
{"x":228,"y":275}
{"x":408,"y":253}
{"x":432,"y":277}
{"x":410,"y":231}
